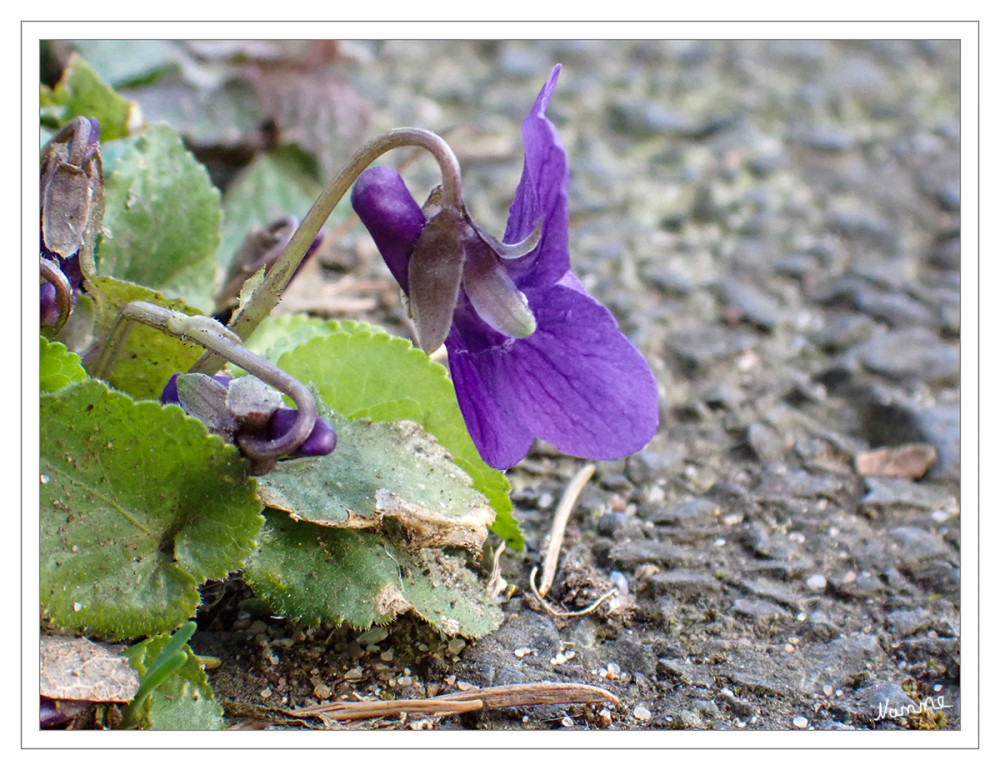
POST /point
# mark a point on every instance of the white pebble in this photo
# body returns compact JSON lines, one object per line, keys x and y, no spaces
{"x":801,"y":722}
{"x":816,"y":582}
{"x":642,"y":714}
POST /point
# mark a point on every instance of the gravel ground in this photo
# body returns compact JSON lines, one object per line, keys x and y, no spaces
{"x":776,"y":226}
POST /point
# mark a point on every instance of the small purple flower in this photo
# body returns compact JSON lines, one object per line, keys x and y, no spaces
{"x":322,"y":440}
{"x":531,"y":353}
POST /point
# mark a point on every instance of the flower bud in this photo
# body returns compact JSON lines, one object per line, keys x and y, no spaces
{"x":393,"y":218}
{"x":321,"y":441}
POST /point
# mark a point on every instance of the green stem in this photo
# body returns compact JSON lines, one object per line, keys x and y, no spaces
{"x":268,"y":293}
{"x":171,"y":657}
{"x":215,"y":337}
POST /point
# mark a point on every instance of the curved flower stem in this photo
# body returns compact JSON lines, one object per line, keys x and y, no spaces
{"x":266,"y":296}
{"x":64,"y":292}
{"x":215,"y":337}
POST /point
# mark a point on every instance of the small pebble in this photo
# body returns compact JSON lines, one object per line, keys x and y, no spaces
{"x":642,"y":714}
{"x":322,"y":692}
{"x":265,"y":693}
{"x":789,"y":648}
{"x":520,"y":652}
{"x":801,"y":723}
{"x":566,"y":721}
{"x":456,"y":645}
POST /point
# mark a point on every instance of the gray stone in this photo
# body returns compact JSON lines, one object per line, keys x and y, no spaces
{"x":760,"y":609}
{"x":911,"y":353}
{"x":684,"y":584}
{"x":838,"y":662}
{"x":697,"y":512}
{"x":874,"y":701}
{"x":635,"y":552}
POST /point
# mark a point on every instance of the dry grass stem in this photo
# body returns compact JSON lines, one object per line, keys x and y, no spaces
{"x":559,"y":521}
{"x":507,"y":696}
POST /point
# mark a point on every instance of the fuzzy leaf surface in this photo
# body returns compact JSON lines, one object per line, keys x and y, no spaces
{"x":138,"y":505}
{"x":318,"y":574}
{"x":162,"y":219}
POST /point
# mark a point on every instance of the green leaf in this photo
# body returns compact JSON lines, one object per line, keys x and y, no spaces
{"x":383,"y":470}
{"x":318,"y":574}
{"x":162,"y":218}
{"x":128,"y":62}
{"x":185,"y":700}
{"x":148,"y":357}
{"x":272,"y":186}
{"x":59,"y":367}
{"x":280,"y":334}
{"x":139,"y":504}
{"x":363,"y":372}
{"x":81,"y":91}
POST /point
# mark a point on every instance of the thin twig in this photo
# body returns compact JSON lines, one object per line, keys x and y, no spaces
{"x":573,"y":490}
{"x":559,"y":613}
{"x":507,"y":696}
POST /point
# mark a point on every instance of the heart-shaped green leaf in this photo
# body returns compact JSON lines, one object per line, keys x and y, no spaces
{"x":162,"y":218}
{"x":139,"y":504}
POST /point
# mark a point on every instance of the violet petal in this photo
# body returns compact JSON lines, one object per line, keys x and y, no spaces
{"x":542,"y":194}
{"x":390,"y":214}
{"x":577,"y":382}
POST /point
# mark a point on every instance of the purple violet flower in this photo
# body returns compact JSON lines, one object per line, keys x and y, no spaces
{"x":531,"y":353}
